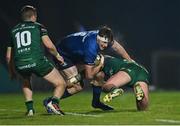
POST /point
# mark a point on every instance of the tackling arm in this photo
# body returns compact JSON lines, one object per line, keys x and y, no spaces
{"x":52,"y":49}
{"x":121,"y":51}
{"x":92,"y":70}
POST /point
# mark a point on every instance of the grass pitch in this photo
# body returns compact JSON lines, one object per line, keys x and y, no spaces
{"x":164,"y":109}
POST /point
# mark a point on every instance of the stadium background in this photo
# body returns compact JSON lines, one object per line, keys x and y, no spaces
{"x":149,"y":30}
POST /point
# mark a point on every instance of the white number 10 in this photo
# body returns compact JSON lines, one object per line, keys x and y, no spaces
{"x":23,"y":38}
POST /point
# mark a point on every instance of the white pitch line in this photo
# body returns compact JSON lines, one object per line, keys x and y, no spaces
{"x":14,"y":110}
{"x":168,"y":121}
{"x":68,"y":113}
{"x":79,"y":114}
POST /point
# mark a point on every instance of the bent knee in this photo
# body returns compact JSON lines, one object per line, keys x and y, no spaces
{"x":142,"y":105}
{"x":60,"y":82}
{"x":78,"y":87}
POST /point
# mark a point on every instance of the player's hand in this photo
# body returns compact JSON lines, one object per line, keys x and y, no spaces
{"x":60,"y":59}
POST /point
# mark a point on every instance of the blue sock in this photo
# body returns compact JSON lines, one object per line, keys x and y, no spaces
{"x":96,"y":93}
{"x":66,"y":94}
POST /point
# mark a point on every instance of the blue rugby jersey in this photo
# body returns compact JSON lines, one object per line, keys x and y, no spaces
{"x":80,"y":47}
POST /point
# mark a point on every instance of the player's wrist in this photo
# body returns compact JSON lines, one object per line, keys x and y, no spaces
{"x":58,"y":55}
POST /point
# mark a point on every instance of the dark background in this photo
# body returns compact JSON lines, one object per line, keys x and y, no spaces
{"x":145,"y":27}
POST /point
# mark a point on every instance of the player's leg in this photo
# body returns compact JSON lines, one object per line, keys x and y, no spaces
{"x":113,"y":83}
{"x":117,"y":80}
{"x":46,"y":70}
{"x":139,"y":88}
{"x":96,"y":103}
{"x":72,"y":87}
{"x":25,"y":77}
{"x":70,"y":74}
{"x":58,"y":82}
{"x":74,"y":81}
{"x":28,"y":93}
{"x":97,"y":89}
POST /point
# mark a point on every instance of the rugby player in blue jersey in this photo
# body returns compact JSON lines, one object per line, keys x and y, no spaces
{"x":82,"y":48}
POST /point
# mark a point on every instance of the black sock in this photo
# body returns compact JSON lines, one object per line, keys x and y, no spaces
{"x":96,"y":93}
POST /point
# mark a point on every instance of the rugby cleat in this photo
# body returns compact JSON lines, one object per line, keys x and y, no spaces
{"x":55,"y":108}
{"x":30,"y":113}
{"x":101,"y":106}
{"x":113,"y":94}
{"x":138,"y":92}
{"x":45,"y":102}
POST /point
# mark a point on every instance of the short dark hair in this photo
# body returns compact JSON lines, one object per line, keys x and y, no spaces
{"x":27,"y":12}
{"x":106,"y":32}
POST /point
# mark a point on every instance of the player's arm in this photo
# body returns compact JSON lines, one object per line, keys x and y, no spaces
{"x":92,"y":70}
{"x":52,"y":49}
{"x":120,"y":50}
{"x":10,"y":63}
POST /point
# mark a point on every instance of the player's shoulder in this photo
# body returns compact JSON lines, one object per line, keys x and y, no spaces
{"x":93,"y":32}
{"x":16,"y":26}
{"x":41,"y":27}
{"x":114,"y":58}
{"x":39,"y":24}
{"x":108,"y":57}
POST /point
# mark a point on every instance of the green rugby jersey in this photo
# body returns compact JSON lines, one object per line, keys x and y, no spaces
{"x":26,"y":42}
{"x":113,"y":65}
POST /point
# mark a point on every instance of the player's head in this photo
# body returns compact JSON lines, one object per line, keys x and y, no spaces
{"x":28,"y":13}
{"x":105,"y":37}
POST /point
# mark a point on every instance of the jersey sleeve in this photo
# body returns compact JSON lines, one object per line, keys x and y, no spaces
{"x":89,"y":57}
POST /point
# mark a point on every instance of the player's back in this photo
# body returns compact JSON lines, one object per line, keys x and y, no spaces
{"x":76,"y":45}
{"x":27,"y":42}
{"x":113,"y":65}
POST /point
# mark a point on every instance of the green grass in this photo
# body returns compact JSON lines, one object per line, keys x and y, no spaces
{"x":163,"y":105}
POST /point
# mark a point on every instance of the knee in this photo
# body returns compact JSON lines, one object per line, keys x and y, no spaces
{"x":76,"y":80}
{"x":78,"y":87}
{"x":143,"y":105}
{"x":60,"y":83}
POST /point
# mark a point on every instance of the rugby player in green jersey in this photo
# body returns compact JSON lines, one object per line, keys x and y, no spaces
{"x":26,"y":51}
{"x":120,"y":72}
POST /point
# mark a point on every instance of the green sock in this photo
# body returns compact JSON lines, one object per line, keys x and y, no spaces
{"x":55,"y":100}
{"x":29,"y":105}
